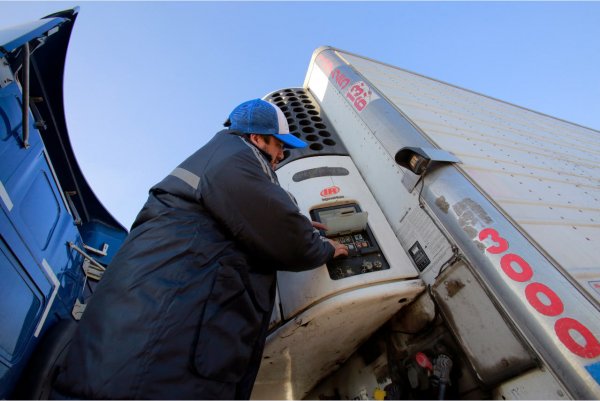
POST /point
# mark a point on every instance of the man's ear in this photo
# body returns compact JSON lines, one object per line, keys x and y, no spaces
{"x":254,"y":139}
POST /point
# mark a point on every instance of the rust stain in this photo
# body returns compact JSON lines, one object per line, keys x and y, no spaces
{"x":453,"y":287}
{"x":442,"y":204}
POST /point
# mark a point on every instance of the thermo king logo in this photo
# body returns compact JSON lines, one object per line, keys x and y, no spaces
{"x":330,"y":191}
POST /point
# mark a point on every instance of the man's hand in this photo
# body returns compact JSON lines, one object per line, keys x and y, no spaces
{"x":319,"y":226}
{"x":340,"y":249}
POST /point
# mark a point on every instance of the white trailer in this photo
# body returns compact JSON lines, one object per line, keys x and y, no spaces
{"x":475,"y":228}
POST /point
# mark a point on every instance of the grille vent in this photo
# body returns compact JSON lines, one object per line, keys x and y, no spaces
{"x":306,"y":122}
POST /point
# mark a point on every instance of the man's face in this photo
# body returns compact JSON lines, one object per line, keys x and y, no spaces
{"x":273,"y":148}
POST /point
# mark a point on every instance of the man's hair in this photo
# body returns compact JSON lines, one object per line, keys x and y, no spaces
{"x":267,"y":138}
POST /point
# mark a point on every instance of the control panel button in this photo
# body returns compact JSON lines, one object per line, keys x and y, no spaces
{"x":364,"y":255}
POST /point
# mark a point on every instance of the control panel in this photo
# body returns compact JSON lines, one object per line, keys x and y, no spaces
{"x":330,"y":190}
{"x":347,"y":224}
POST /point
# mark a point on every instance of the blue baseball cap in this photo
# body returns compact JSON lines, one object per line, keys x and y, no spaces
{"x":261,"y":117}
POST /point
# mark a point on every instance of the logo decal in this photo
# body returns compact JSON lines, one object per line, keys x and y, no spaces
{"x":330,"y":191}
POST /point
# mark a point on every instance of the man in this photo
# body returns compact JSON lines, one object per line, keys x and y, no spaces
{"x":182,"y":311}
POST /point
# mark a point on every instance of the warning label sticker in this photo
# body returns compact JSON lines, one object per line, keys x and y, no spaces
{"x":419,"y":256}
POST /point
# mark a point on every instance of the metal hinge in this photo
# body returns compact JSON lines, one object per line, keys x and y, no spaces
{"x":39,"y":121}
{"x":74,"y":212}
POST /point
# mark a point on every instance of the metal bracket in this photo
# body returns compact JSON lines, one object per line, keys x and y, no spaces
{"x":39,"y":121}
{"x":101,"y":252}
{"x":92,"y":271}
{"x":418,"y":159}
{"x":91,"y":268}
{"x":74,"y":211}
{"x":410,"y":181}
{"x":78,"y":309}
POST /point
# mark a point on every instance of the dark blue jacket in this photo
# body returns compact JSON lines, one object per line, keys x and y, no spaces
{"x":183,"y":309}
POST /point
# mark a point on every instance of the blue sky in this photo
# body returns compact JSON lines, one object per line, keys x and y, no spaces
{"x":147,"y":83}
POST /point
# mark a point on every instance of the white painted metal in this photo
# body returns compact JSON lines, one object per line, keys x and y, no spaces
{"x":459,"y":207}
{"x":543,"y":172}
{"x":306,"y":288}
{"x":353,"y":381}
{"x":380,"y":171}
{"x":318,"y":340}
{"x":490,"y":344}
{"x":328,"y":319}
{"x":536,"y":384}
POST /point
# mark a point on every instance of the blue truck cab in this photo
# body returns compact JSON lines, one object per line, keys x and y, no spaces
{"x":56,"y":237}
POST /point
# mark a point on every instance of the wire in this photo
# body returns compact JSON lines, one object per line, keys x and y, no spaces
{"x":453,"y":259}
{"x":422,"y":180}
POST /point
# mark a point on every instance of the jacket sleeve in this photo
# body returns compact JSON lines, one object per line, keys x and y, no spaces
{"x":243,"y":196}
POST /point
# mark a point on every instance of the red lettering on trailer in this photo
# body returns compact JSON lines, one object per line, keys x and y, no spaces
{"x":563,"y":328}
{"x":502,"y":244}
{"x":358,"y":95}
{"x":516,"y":268}
{"x":329,"y":191}
{"x":325,"y":63}
{"x":340,"y":78}
{"x":507,"y":264}
{"x":556,"y":306}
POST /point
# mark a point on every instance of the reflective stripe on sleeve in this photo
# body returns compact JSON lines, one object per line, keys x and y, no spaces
{"x":186,"y":176}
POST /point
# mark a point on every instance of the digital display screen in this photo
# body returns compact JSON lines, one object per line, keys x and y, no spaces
{"x":364,"y":254}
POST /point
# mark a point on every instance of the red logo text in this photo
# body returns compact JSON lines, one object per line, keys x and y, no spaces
{"x":330,"y":191}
